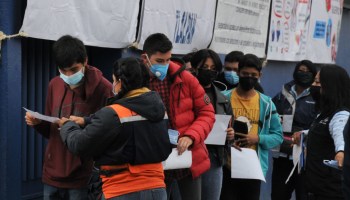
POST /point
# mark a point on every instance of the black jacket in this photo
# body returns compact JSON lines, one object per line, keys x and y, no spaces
{"x":111,"y":142}
{"x":305,"y":111}
{"x":222,"y":105}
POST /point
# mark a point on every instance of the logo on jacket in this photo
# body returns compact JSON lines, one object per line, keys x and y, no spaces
{"x":206,"y":99}
{"x":185,"y":27}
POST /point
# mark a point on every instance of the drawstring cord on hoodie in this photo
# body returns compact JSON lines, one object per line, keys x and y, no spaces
{"x":61,"y":104}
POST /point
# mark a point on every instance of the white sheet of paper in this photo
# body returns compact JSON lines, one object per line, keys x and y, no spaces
{"x":174,"y":161}
{"x":217,"y":136}
{"x":42,"y":117}
{"x":297,"y":150}
{"x":245,"y":164}
{"x":287,"y":123}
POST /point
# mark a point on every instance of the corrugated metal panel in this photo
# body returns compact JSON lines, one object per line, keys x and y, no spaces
{"x":37,"y":70}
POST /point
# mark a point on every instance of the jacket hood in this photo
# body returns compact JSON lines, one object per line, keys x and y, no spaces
{"x":149,"y":105}
{"x":289,"y":85}
{"x":92,"y":78}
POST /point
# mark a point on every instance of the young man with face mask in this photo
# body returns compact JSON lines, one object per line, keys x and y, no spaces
{"x":229,"y":75}
{"x":80,"y":90}
{"x":189,"y":109}
{"x":296,"y":107}
{"x":265,"y":131}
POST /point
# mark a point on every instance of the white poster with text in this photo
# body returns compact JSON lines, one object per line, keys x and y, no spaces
{"x":324,"y":32}
{"x":289,"y":28}
{"x":188,"y":24}
{"x":241,"y":25}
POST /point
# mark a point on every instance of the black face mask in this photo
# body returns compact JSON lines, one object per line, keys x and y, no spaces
{"x":206,"y":77}
{"x":304,"y":79}
{"x":315,"y":92}
{"x":247,"y":83}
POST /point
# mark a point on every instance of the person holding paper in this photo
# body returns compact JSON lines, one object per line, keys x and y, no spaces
{"x":265,"y":132}
{"x":207,"y":65}
{"x":128,"y":139}
{"x":325,"y":140}
{"x":189,"y":109}
{"x":79,"y":90}
{"x":296,"y":107}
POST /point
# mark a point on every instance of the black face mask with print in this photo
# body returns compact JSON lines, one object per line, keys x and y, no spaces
{"x":247,"y":83}
{"x":206,"y":77}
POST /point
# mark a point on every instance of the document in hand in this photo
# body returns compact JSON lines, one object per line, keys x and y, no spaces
{"x":176,"y":161}
{"x":245,"y":164}
{"x":42,"y":117}
{"x":217,"y":136}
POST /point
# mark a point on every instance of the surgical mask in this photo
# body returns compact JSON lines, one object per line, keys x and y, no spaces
{"x":304,"y":79}
{"x":247,"y":83}
{"x":73,"y":79}
{"x":231,"y":77}
{"x":158,"y":70}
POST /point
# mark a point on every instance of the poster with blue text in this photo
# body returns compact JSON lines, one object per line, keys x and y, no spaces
{"x":187,"y":23}
{"x":97,"y":23}
{"x":241,"y":25}
{"x":289,"y":29}
{"x":324,"y":32}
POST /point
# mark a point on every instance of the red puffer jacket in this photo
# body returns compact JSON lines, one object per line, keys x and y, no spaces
{"x":192,"y":115}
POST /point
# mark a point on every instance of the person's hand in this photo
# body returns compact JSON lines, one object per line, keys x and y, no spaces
{"x":340,"y":158}
{"x":183,"y":144}
{"x":296,"y":137}
{"x":79,"y":120}
{"x":62,"y":121}
{"x":247,"y":140}
{"x":30,"y":120}
{"x":236,"y":146}
{"x":230,"y":134}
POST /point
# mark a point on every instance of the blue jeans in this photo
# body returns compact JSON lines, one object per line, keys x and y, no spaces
{"x":152,"y":194}
{"x":54,"y":193}
{"x":212,"y":182}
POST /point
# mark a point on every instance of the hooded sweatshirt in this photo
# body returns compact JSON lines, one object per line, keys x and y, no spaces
{"x":134,"y":144}
{"x":61,"y":168}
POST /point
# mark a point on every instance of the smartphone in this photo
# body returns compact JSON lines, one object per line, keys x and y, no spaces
{"x":240,"y":127}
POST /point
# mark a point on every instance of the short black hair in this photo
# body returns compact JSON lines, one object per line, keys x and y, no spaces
{"x":335,"y":92}
{"x":157,"y":42}
{"x":199,"y":58}
{"x":250,"y":61}
{"x":68,"y":50}
{"x":234,"y":56}
{"x":132,"y":73}
{"x":310,"y":65}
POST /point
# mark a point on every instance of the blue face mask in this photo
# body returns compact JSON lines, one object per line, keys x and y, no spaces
{"x":231,"y":77}
{"x":73,"y":79}
{"x":158,"y":70}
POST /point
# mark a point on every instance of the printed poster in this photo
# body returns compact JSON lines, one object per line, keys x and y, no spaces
{"x":188,"y":24}
{"x":241,"y":25}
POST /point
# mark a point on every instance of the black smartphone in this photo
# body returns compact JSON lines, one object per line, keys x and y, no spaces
{"x":240,"y":127}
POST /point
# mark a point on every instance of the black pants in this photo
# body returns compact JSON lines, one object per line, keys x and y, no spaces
{"x":281,"y":191}
{"x":239,"y":189}
{"x":189,"y":188}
